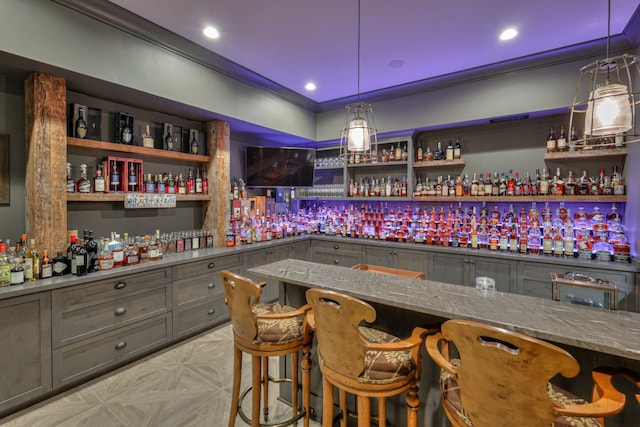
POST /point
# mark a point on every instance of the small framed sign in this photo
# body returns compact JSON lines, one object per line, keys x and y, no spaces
{"x":149,"y":200}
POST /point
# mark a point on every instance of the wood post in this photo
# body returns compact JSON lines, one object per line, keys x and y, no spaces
{"x":46,"y":159}
{"x":216,"y":212}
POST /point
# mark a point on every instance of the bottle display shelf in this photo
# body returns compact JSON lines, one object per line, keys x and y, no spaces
{"x":134,"y":149}
{"x":524,"y":199}
{"x":378,"y":164}
{"x":584,"y":154}
{"x":119,"y":197}
{"x":439,"y":163}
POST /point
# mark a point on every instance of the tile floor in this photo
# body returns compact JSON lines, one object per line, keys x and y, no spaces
{"x":188,"y":384}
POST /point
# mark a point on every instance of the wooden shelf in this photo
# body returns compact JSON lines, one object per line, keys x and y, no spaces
{"x":321,"y":168}
{"x":439,"y":163}
{"x":134,"y":149}
{"x":375,"y":165}
{"x":119,"y":197}
{"x":516,"y":199}
{"x":583,"y":154}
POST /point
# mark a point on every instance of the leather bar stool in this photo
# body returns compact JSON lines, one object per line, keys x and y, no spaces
{"x":263,"y":331}
{"x":390,"y":271}
{"x":501,"y":379}
{"x":363,"y":361}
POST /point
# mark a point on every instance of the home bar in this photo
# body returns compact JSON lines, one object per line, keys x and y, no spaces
{"x":136,"y":168}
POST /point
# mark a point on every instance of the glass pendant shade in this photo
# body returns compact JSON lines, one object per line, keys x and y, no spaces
{"x":609,"y":111}
{"x":358,"y":137}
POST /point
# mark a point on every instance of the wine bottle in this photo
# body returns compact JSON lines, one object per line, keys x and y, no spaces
{"x":194,"y":143}
{"x":551,"y":140}
{"x":80,"y":125}
{"x":168,"y":140}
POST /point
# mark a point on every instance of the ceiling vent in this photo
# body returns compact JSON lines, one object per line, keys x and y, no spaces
{"x":512,"y":118}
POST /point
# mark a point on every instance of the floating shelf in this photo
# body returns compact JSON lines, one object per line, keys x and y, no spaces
{"x":119,"y":197}
{"x":376,"y":165}
{"x":516,"y":199}
{"x":439,"y":163}
{"x":583,"y":154}
{"x":134,"y":149}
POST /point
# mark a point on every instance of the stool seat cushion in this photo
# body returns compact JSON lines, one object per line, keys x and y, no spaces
{"x":451,"y":393}
{"x":383,"y":367}
{"x":274,"y":331}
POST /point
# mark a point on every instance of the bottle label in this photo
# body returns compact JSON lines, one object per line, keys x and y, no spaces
{"x":153,"y":253}
{"x":70,"y":186}
{"x":28,"y":269}
{"x":105,"y":263}
{"x":118,"y":256}
{"x":562,"y":144}
{"x":99,"y":185}
{"x":17,"y":277}
{"x":59,"y":267}
{"x":558,"y":247}
{"x":568,"y":247}
{"x":46,"y":271}
{"x":5,"y":275}
{"x":547,"y":246}
{"x":85,"y":186}
{"x":551,"y":144}
{"x":81,"y":131}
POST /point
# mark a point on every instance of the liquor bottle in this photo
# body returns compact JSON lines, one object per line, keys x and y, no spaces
{"x":114,"y":177}
{"x":26,"y":259}
{"x":439,"y":154}
{"x":205,"y":182}
{"x":147,"y":139}
{"x":153,"y":253}
{"x":405,"y":153}
{"x":429,"y":154}
{"x":583,"y":184}
{"x":149,"y":184}
{"x":133,"y":178}
{"x":458,"y":187}
{"x":547,"y":240}
{"x":551,"y":140}
{"x":561,"y":143}
{"x":558,"y":242}
{"x":570,"y":185}
{"x":60,"y":265}
{"x":168,"y":140}
{"x":115,"y":247}
{"x":617,"y":182}
{"x":80,"y":125}
{"x":544,"y":183}
{"x":70,"y":251}
{"x":35,"y":260}
{"x":127,"y":133}
{"x":523,"y":240}
{"x":98,"y":180}
{"x":80,"y":259}
{"x":92,"y":251}
{"x":558,"y":184}
{"x":182,"y":185}
{"x":5,"y":266}
{"x":105,"y":259}
{"x":573,"y":138}
{"x":569,"y":242}
{"x":398,"y":153}
{"x":83,"y":185}
{"x":71,"y":183}
{"x":46,"y":268}
{"x":16,"y":276}
{"x":191,"y":185}
{"x":161,"y":185}
{"x":419,"y":153}
{"x":511,"y":184}
{"x":194,"y":143}
{"x":457,"y":149}
{"x":449,"y":152}
{"x":198,"y":181}
{"x":495,"y":185}
{"x":604,"y":184}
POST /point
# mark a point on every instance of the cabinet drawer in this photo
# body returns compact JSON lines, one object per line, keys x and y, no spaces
{"x":337,"y":247}
{"x":192,"y":318}
{"x":206,"y":266}
{"x":88,"y":320}
{"x":72,"y":298}
{"x":345,"y":260}
{"x":89,"y":357}
{"x":200,"y":287}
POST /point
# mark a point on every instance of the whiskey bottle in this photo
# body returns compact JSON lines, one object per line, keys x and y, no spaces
{"x":5,"y":267}
{"x":147,"y":139}
{"x":80,"y":125}
{"x":105,"y":259}
{"x":35,"y":260}
{"x":27,"y":259}
{"x":46,"y":268}
{"x":398,"y":154}
{"x":191,"y":184}
{"x":439,"y":154}
{"x":449,"y":153}
{"x":419,"y":153}
{"x":182,"y":185}
{"x":198,"y":181}
{"x":83,"y":185}
{"x":551,"y":140}
{"x":205,"y":182}
{"x":194,"y":143}
{"x":133,"y":178}
{"x":573,"y":139}
{"x":114,"y":177}
{"x":17,"y":271}
{"x":71,"y":183}
{"x":457,"y":149}
{"x":168,"y":140}
{"x":98,"y":181}
{"x":561,"y":143}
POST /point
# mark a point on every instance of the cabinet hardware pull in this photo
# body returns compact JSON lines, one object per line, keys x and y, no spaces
{"x":121,"y":345}
{"x":335,"y":261}
{"x":120,"y":311}
{"x":212,"y":265}
{"x":211,"y":311}
{"x":336,"y":246}
{"x":390,"y":252}
{"x":211,"y":285}
{"x":120,"y":285}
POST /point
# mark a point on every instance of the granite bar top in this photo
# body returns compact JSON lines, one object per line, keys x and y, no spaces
{"x":611,"y":332}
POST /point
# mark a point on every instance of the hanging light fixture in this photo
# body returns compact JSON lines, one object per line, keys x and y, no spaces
{"x":358,"y":136}
{"x":609,"y":108}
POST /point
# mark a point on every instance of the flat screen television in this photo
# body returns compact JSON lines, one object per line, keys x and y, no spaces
{"x":280,"y":167}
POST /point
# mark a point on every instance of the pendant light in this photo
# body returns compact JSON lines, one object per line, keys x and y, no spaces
{"x":609,"y":108}
{"x":358,"y":136}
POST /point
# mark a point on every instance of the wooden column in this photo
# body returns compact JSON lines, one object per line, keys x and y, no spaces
{"x":46,"y":158}
{"x":216,"y":212}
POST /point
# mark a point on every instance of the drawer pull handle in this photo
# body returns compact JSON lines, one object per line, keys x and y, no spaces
{"x":336,"y":246}
{"x":211,"y":311}
{"x":212,"y":265}
{"x":211,"y":285}
{"x":120,"y":285}
{"x":120,"y":311}
{"x":390,"y":252}
{"x":121,"y":345}
{"x":336,"y":261}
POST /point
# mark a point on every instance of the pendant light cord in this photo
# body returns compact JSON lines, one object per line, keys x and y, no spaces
{"x":358,"y":67}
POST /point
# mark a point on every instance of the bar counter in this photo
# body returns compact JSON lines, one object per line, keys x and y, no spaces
{"x":611,"y":332}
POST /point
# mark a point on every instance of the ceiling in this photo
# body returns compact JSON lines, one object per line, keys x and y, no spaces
{"x":292,"y":42}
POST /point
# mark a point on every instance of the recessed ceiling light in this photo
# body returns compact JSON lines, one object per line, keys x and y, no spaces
{"x":211,"y":32}
{"x":508,"y":34}
{"x":310,"y":86}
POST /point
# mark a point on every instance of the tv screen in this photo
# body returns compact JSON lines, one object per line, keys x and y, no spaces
{"x":280,"y":167}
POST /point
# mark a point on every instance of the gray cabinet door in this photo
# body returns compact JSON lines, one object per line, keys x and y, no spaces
{"x":414,"y":260}
{"x":448,"y":268}
{"x":266,"y":256}
{"x":299,"y":250}
{"x":336,"y":253}
{"x":25,"y":355}
{"x":383,"y":257}
{"x":504,"y":272}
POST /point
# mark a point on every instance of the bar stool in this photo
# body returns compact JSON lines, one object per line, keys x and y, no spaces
{"x":360,"y":360}
{"x":502,"y":379}
{"x":263,"y":331}
{"x":390,"y":271}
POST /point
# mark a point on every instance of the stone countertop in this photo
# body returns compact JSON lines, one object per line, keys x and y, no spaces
{"x":611,"y":332}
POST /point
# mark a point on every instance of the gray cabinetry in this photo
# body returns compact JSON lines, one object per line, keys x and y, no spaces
{"x":25,"y":362}
{"x":265,"y":256}
{"x":336,"y":253}
{"x":463,"y":269}
{"x":198,"y":294}
{"x":406,"y":259}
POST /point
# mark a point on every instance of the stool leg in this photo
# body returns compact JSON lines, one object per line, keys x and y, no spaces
{"x":256,"y":365}
{"x":294,"y":382}
{"x":327,"y":403}
{"x":342,"y":395}
{"x":382,"y":412}
{"x":413,"y":404}
{"x":265,"y":384}
{"x":364,"y":411}
{"x":306,"y":384}
{"x":235,"y":393}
